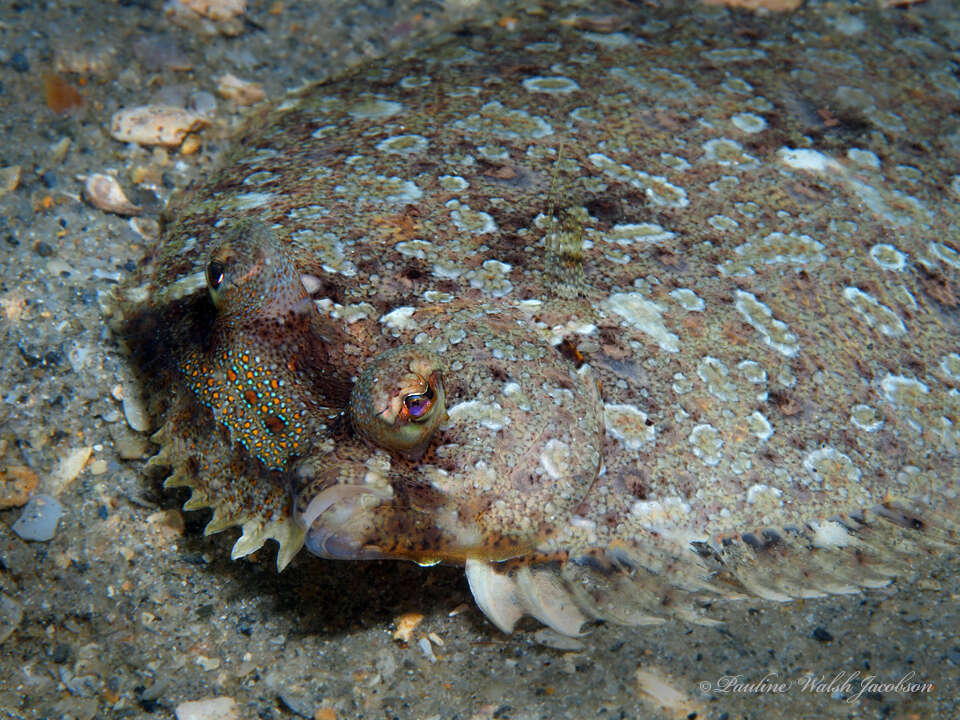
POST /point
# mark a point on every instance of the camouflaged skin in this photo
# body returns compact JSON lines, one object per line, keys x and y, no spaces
{"x":717,"y":222}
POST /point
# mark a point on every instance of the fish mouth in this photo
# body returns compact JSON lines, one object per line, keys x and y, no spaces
{"x":347,"y":521}
{"x":330,"y":519}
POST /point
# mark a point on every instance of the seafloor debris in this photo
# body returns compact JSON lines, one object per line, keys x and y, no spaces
{"x":155,"y":124}
{"x":209,"y":17}
{"x":38,"y":521}
{"x":11,"y":614}
{"x":104,"y":192}
{"x":243,"y":92}
{"x":17,"y":483}
{"x":214,"y":708}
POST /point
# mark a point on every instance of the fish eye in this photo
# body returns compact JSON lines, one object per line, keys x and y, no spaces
{"x":399,"y":401}
{"x":215,"y":272}
{"x":419,"y":404}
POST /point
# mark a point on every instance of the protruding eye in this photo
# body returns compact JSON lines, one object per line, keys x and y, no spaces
{"x":399,"y":400}
{"x":215,"y":271}
{"x":419,"y":404}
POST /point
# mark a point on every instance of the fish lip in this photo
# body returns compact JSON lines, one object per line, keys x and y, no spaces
{"x":326,"y":519}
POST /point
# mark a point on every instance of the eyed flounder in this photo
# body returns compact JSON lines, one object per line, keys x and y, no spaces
{"x":616,"y":310}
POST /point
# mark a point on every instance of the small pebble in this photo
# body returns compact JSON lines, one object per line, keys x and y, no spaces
{"x":954,"y":655}
{"x":208,"y":663}
{"x":147,"y":228}
{"x":38,"y":521}
{"x":553,"y":639}
{"x":134,"y":410}
{"x":427,"y":649}
{"x":297,"y":700}
{"x":9,"y":179}
{"x":105,"y":193}
{"x":130,"y":445}
{"x":17,"y":484}
{"x":242,"y":92}
{"x":67,"y":470}
{"x":209,"y":17}
{"x":154,"y":692}
{"x":18,"y":61}
{"x":43,"y":249}
{"x":61,"y":95}
{"x":821,"y":634}
{"x":190,"y":145}
{"x":58,"y":151}
{"x":662,"y":691}
{"x":202,"y":102}
{"x":406,"y":624}
{"x":84,"y":61}
{"x":61,"y":653}
{"x":155,"y":124}
{"x":169,"y":520}
{"x":49,"y":179}
{"x":11,"y":614}
{"x":221,"y":708}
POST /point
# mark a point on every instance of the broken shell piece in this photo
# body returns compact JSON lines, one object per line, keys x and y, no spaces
{"x":659,"y":690}
{"x":9,"y":179}
{"x":243,"y":92}
{"x":17,"y":484}
{"x":105,"y":193}
{"x":155,"y":124}
{"x":93,"y":60}
{"x":210,"y":17}
{"x":147,"y":228}
{"x":406,"y":624}
{"x":190,"y":145}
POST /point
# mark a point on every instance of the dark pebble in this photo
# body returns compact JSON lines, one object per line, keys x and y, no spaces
{"x":245,"y":625}
{"x":12,"y":240}
{"x":19,"y":62}
{"x":49,"y":179}
{"x":821,"y":635}
{"x":954,"y":655}
{"x":301,"y":706}
{"x":87,"y":296}
{"x":61,"y":653}
{"x":148,"y":705}
{"x":43,"y":249}
{"x":102,"y":512}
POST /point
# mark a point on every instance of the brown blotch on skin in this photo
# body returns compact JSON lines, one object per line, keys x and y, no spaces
{"x":938,"y":287}
{"x":568,"y":349}
{"x":785,"y":402}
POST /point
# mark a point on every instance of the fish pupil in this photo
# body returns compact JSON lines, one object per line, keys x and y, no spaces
{"x":215,"y":272}
{"x":419,"y":403}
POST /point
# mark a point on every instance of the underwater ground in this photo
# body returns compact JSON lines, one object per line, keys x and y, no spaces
{"x":129,"y":611}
